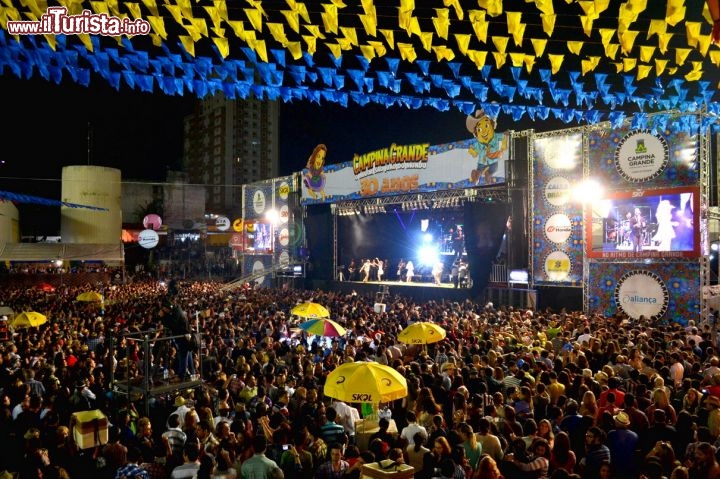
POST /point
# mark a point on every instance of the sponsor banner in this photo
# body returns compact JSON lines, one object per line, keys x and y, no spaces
{"x":398,"y":169}
{"x":656,"y":157}
{"x":258,"y":200}
{"x":257,"y":265}
{"x":557,"y":221}
{"x":668,"y":291}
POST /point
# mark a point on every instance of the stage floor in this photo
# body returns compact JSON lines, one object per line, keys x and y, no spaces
{"x":404,"y":283}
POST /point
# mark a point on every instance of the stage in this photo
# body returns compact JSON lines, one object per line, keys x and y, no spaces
{"x":416,"y":291}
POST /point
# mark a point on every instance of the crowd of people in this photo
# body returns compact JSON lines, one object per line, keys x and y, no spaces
{"x":508,"y":393}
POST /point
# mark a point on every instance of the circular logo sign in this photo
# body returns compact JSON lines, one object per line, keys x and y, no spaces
{"x":284,"y":190}
{"x":258,"y":267}
{"x":558,"y":228}
{"x":641,"y":293}
{"x":557,"y":191}
{"x":152,"y":222}
{"x":236,"y":241}
{"x":284,"y":258}
{"x":222,"y":223}
{"x":259,"y":201}
{"x":284,"y":237}
{"x":148,"y":239}
{"x":557,"y":266}
{"x":641,"y":156}
{"x":284,"y":214}
{"x":238,"y":225}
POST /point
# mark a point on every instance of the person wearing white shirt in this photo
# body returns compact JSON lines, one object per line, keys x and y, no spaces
{"x":409,"y":431}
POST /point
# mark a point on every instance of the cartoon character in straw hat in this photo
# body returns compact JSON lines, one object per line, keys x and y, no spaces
{"x":314,"y":177}
{"x":488,"y":149}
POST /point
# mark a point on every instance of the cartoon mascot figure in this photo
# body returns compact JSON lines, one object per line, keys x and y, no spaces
{"x":314,"y":177}
{"x":489,"y":147}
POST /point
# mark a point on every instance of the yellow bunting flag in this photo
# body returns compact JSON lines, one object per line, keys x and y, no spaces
{"x":351,"y":34}
{"x":389,"y":38}
{"x":238,"y":28}
{"x":480,"y":26}
{"x":463,"y":42}
{"x":442,"y":22}
{"x":539,"y":45}
{"x":575,"y":47}
{"x":675,"y":12}
{"x":293,"y":19}
{"x":456,"y":5}
{"x":97,"y":7}
{"x":627,"y":40}
{"x":158,"y":26}
{"x":548,"y":23}
{"x":586,"y":66}
{"x":188,"y":44}
{"x":656,"y":27}
{"x":704,"y":44}
{"x":277,"y":30}
{"x":555,"y":62}
{"x":369,"y":24}
{"x":518,"y":34}
{"x":478,"y":58}
{"x":500,"y":43}
{"x":517,"y":59}
{"x":368,"y":52}
{"x":407,"y":52}
{"x":611,"y":50}
{"x":692,"y":30}
{"x":151,"y":5}
{"x":696,"y":73}
{"x":414,"y":27}
{"x":663,"y":41}
{"x":379,"y":48}
{"x":646,"y":53}
{"x":222,"y":46}
{"x":255,"y":18}
{"x":529,"y":61}
{"x":295,"y":49}
{"x":260,"y":48}
{"x":200,"y":25}
{"x":219,"y":32}
{"x":587,"y":24}
{"x":335,"y":49}
{"x":345,"y":43}
{"x":606,"y":35}
{"x":175,"y":12}
{"x":330,"y":18}
{"x":156,"y":40}
{"x":500,"y":59}
{"x":643,"y":71}
{"x":494,"y":8}
{"x":513,"y":21}
{"x":311,"y":42}
{"x":629,"y":64}
{"x":315,"y":31}
{"x":134,"y":9}
{"x":672,"y":70}
{"x":545,"y":6}
{"x":442,"y":52}
{"x":715,"y":57}
{"x":681,"y":55}
{"x":426,"y":40}
{"x":618,"y":66}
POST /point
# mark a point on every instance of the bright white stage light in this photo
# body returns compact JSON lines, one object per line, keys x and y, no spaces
{"x":427,"y":237}
{"x":428,"y":255}
{"x":588,"y":191}
{"x":714,"y":246}
{"x":424,"y":224}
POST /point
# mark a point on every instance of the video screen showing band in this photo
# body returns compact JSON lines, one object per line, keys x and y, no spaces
{"x":645,"y":224}
{"x":258,"y":238}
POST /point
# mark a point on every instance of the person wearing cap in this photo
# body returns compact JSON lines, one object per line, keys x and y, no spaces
{"x":180,"y":409}
{"x":623,"y":444}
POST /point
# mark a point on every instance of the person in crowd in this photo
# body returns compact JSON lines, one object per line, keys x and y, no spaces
{"x":259,"y":466}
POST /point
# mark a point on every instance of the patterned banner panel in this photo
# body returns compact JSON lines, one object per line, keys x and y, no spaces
{"x":663,"y":154}
{"x":253,"y":264}
{"x":659,"y":291}
{"x":557,"y":218}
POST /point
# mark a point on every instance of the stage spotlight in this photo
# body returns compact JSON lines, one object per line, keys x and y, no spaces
{"x":424,"y":225}
{"x":428,"y":255}
{"x":427,"y":237}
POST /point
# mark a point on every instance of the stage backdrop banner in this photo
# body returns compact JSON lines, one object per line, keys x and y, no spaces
{"x":664,"y":154}
{"x":668,"y":291}
{"x":257,"y":264}
{"x":400,"y":169}
{"x":557,"y":167}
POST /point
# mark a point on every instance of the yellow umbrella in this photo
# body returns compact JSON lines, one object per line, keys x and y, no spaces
{"x":28,"y":319}
{"x":90,"y":296}
{"x":310,"y":310}
{"x":421,"y":333}
{"x":366,"y":382}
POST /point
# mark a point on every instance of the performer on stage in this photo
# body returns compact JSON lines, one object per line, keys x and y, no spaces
{"x":365,"y":270}
{"x":380,"y":268}
{"x":352,"y":271}
{"x":437,"y":272}
{"x":401,"y":269}
{"x":638,"y":224}
{"x":409,"y":271}
{"x":666,"y":226}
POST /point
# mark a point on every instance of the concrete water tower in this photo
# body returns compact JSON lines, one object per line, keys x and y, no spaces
{"x":92,"y":186}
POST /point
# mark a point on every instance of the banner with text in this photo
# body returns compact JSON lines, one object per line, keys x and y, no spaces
{"x":557,"y":218}
{"x":399,"y":169}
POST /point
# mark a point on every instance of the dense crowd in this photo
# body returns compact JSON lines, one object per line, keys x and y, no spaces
{"x":508,"y":393}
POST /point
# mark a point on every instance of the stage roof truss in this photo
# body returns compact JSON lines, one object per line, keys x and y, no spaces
{"x":420,"y":201}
